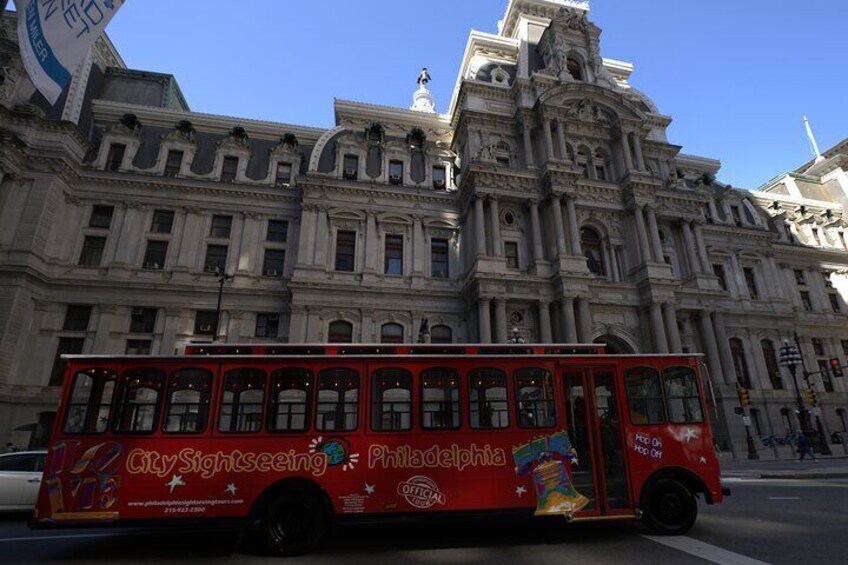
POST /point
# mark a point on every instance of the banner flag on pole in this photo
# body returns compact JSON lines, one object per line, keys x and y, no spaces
{"x":55,"y":36}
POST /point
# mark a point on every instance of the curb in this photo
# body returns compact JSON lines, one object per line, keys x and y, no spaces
{"x":802,"y":476}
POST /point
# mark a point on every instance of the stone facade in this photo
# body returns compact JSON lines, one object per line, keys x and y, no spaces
{"x":547,"y":199}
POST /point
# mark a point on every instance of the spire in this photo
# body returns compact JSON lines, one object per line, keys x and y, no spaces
{"x":815,"y":146}
{"x":422,"y":100}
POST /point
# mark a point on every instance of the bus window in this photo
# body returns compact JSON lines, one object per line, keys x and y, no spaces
{"x":391,"y":400}
{"x":644,"y":395}
{"x":681,"y":392}
{"x":138,"y":407}
{"x":91,"y":398}
{"x":338,"y":400}
{"x":187,"y":411}
{"x":291,"y":397}
{"x":534,"y":397}
{"x":487,"y":399}
{"x":440,"y":399}
{"x":242,"y":401}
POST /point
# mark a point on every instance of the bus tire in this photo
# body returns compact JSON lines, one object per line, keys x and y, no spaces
{"x":293,"y":523}
{"x":669,"y":508}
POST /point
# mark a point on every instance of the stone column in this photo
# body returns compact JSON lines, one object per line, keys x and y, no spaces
{"x":640,"y":157}
{"x":236,"y":240}
{"x":495,"y":226}
{"x":501,"y":331}
{"x":545,"y":334}
{"x":419,"y":245}
{"x":536,"y":228}
{"x":672,"y":331}
{"x":549,"y":140}
{"x":724,"y":349}
{"x":573,"y":228}
{"x":584,"y":328}
{"x":372,"y":243}
{"x":569,"y":324}
{"x":131,"y":231}
{"x":366,"y":327}
{"x":642,"y":235}
{"x":758,"y":359}
{"x":556,"y":208}
{"x":655,"y":234}
{"x":703,"y":254}
{"x":616,"y":274}
{"x":628,"y":154}
{"x":174,"y":246}
{"x":115,"y":242}
{"x":306,"y":248}
{"x":739,"y":278}
{"x":709,"y":341}
{"x":658,"y":329}
{"x":322,"y":234}
{"x":563,"y":146}
{"x":691,"y":250}
{"x":479,"y":226}
{"x":484,"y":323}
{"x":528,"y":146}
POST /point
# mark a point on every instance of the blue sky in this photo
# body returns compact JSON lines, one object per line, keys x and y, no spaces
{"x":736,"y":76}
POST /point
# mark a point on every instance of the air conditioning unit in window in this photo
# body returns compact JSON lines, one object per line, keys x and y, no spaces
{"x":273,"y":317}
{"x":151,"y":265}
{"x":439,"y":184}
{"x":271,"y":273}
{"x":205,"y":327}
{"x":349,"y":174}
{"x":395,"y":179}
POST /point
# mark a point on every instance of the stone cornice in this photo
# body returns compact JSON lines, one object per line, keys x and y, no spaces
{"x":371,"y":191}
{"x":164,"y":118}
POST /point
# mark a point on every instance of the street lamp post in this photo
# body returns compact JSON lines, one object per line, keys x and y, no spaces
{"x":222,"y":278}
{"x":790,"y":357}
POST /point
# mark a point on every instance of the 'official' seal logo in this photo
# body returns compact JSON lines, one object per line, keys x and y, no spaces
{"x":421,"y":492}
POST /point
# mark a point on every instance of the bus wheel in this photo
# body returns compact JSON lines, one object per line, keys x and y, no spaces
{"x":294,"y":523}
{"x":670,"y":508}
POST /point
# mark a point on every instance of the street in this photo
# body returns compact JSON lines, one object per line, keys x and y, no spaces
{"x":766,"y":520}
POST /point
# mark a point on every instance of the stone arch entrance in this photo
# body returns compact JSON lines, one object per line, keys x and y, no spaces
{"x":615,"y":345}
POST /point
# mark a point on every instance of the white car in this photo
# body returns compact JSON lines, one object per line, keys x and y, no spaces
{"x":20,"y":479}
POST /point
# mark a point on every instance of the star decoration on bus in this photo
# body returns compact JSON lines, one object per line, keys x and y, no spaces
{"x":231,"y":488}
{"x":520,"y":491}
{"x":687,"y":434}
{"x":369,"y":489}
{"x":176,"y":481}
{"x":703,"y":460}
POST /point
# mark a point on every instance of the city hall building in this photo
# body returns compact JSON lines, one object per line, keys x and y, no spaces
{"x":548,"y":198}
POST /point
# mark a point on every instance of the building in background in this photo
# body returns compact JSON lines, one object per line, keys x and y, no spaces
{"x":547,"y":198}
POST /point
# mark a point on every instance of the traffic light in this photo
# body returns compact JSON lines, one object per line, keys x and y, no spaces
{"x":811,"y":397}
{"x":744,"y":397}
{"x":836,"y":368}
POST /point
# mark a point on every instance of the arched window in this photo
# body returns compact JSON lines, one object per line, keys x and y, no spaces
{"x":441,"y":334}
{"x":391,"y":333}
{"x":575,"y":69}
{"x":340,"y":332}
{"x":737,"y":353}
{"x":771,"y":364}
{"x":591,"y":244}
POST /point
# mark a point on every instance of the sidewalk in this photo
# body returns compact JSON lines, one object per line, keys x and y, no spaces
{"x":833,"y":467}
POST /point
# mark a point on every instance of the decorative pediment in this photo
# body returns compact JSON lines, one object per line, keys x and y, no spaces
{"x":237,"y":141}
{"x":571,"y":19}
{"x":287,"y":147}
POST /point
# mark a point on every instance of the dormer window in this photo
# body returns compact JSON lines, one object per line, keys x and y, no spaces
{"x":416,"y":139}
{"x":174,"y":163}
{"x":284,"y":173}
{"x":575,"y":69}
{"x":229,"y":169}
{"x":115,"y":158}
{"x":396,"y":172}
{"x":351,"y":167}
{"x":439,"y":178}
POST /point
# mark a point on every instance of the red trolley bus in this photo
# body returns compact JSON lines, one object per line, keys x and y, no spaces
{"x":288,"y":438}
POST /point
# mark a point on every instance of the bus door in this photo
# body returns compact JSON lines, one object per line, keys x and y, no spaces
{"x":595,"y":429}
